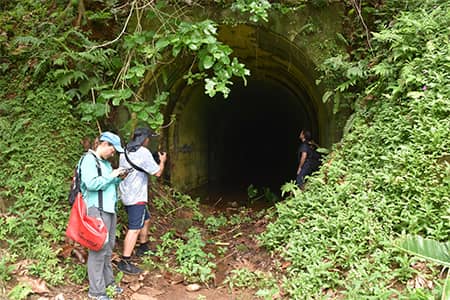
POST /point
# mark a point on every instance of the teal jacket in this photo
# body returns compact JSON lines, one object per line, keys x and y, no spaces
{"x":91,"y":182}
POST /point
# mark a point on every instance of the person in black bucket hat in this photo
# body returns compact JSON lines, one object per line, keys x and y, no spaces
{"x":139,"y":136}
{"x":134,"y":194}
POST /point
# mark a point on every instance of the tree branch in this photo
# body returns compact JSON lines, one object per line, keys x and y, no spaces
{"x":121,"y":33}
{"x":81,"y":11}
{"x":358,"y":10}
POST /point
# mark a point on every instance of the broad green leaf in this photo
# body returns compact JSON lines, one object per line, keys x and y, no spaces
{"x":122,"y":95}
{"x":151,"y":110}
{"x":326,"y":96}
{"x":193,"y":46}
{"x":176,"y":49}
{"x":446,"y":289}
{"x":225,"y":60}
{"x":142,"y":115}
{"x":162,"y":43}
{"x":108,"y":94}
{"x":210,"y":87}
{"x":210,"y":40}
{"x":116,"y":95}
{"x":207,"y":61}
{"x":85,"y":87}
{"x":435,"y":251}
{"x":323,"y":150}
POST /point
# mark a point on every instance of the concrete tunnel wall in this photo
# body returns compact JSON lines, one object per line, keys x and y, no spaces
{"x":251,"y":137}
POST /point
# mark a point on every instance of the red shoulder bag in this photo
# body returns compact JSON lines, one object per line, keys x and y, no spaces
{"x":88,"y":231}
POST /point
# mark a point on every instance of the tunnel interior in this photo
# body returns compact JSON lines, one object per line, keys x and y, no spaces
{"x":222,"y":146}
{"x":252,"y":137}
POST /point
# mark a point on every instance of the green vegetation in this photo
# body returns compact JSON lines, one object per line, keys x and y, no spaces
{"x":438,"y":252}
{"x":265,"y":284}
{"x":61,"y":81}
{"x":193,"y":262}
{"x":54,"y":73}
{"x":189,"y":258}
{"x":6,"y":267}
{"x":214,"y":223}
{"x":20,"y":291}
{"x":390,"y":173}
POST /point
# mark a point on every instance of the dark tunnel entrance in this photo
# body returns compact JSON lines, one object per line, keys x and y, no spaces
{"x":253,"y":136}
{"x":222,"y":146}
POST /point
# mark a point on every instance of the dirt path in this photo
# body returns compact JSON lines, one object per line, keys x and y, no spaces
{"x":234,"y":246}
{"x":242,"y":251}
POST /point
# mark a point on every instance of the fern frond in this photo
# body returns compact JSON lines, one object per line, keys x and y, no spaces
{"x":67,"y":77}
{"x":27,"y":40}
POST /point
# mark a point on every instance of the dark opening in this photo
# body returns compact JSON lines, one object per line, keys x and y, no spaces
{"x":253,"y":136}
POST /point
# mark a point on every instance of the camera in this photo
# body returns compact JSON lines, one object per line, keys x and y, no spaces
{"x":126,"y":171}
{"x":156,"y":157}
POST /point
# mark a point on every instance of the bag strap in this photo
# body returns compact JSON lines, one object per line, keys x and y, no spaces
{"x":99,"y":172}
{"x":78,"y":173}
{"x":134,"y":165}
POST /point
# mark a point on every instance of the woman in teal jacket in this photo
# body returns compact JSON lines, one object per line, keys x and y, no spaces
{"x":99,"y":187}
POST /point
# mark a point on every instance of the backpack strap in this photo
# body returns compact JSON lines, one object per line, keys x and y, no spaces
{"x":134,"y":165}
{"x":78,"y":174}
{"x":99,"y":172}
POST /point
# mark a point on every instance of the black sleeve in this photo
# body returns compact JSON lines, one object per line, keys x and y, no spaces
{"x":303,"y":148}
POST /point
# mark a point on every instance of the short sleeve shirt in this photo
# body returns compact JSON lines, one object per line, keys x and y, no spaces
{"x":304,"y":147}
{"x":133,"y":189}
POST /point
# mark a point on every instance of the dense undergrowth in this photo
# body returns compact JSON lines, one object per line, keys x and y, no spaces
{"x":40,"y":139}
{"x":388,"y":176}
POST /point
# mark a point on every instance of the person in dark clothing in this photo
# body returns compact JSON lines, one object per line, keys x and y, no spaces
{"x":307,"y":156}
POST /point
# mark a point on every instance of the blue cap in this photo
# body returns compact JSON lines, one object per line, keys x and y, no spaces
{"x":113,"y":139}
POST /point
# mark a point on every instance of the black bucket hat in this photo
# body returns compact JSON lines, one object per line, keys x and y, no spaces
{"x":139,"y":136}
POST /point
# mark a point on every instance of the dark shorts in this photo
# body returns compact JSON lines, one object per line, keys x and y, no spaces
{"x":137,"y":215}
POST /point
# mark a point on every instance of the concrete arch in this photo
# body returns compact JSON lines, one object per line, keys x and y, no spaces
{"x":252,"y":137}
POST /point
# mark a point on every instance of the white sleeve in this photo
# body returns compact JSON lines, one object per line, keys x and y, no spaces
{"x":146,"y":161}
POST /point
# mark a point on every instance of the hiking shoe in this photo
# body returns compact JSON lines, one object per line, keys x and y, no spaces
{"x":101,"y":297}
{"x":141,"y":252}
{"x":128,"y":268}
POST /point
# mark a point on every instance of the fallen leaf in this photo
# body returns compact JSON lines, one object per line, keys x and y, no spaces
{"x":135,"y":286}
{"x":286,"y":264}
{"x":38,"y":286}
{"x":59,"y":297}
{"x":80,"y":255}
{"x":66,"y":250}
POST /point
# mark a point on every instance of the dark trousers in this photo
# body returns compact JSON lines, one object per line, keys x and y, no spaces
{"x":305,"y":171}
